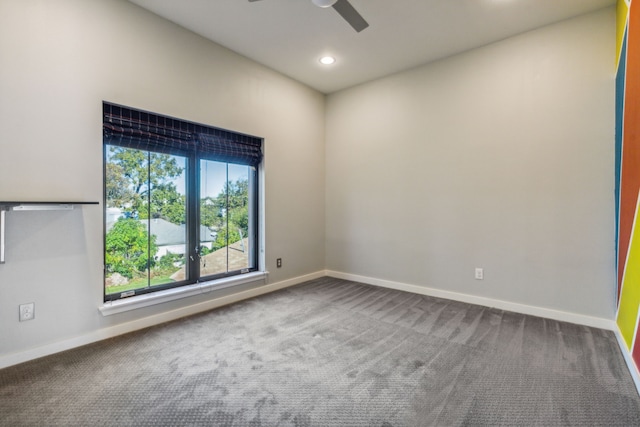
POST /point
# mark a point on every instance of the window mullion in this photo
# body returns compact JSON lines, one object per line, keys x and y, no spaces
{"x":193,"y":215}
{"x":149,"y":236}
{"x":227,"y":214}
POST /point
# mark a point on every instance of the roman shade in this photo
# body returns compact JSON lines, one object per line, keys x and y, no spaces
{"x":131,"y":128}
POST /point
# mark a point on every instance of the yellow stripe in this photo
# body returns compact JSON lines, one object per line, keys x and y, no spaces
{"x":630,"y":296}
{"x":622,"y":14}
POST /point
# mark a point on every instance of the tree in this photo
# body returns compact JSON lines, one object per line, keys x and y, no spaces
{"x":231,"y":220}
{"x":142,"y":184}
{"x":117,"y":187}
{"x":238,"y":209}
{"x":211,"y":212}
{"x":167,"y":203}
{"x":128,"y":248}
{"x":223,"y":240}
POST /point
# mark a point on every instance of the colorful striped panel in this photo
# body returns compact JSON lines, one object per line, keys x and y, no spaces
{"x":630,"y":166}
{"x":630,"y":295}
{"x":620,"y":76}
{"x":622,"y":13}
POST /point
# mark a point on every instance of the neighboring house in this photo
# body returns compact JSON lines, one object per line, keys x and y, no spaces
{"x":170,"y":237}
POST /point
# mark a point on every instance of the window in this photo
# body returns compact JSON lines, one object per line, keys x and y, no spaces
{"x":181,"y":202}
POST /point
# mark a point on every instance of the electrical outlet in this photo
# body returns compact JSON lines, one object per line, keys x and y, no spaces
{"x":479,"y":273}
{"x":279,"y":262}
{"x":27,"y":311}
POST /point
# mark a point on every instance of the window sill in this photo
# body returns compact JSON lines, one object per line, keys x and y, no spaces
{"x":145,"y":300}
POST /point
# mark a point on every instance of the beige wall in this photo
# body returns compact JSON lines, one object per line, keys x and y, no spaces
{"x":501,"y":158}
{"x":59,"y":61}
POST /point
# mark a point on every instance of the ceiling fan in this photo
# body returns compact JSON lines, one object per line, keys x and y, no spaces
{"x":344,"y":8}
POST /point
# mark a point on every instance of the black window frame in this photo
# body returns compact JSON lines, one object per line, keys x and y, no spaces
{"x":138,"y":129}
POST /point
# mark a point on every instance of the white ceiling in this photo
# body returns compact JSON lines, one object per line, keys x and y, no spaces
{"x":290,"y":35}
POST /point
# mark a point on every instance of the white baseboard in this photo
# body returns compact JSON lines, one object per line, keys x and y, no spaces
{"x":563,"y":316}
{"x":633,"y":369}
{"x":101,"y":334}
{"x":110,"y":332}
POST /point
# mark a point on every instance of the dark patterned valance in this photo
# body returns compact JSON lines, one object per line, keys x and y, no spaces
{"x":132,"y":128}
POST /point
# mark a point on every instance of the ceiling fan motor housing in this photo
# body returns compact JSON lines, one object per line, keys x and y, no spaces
{"x":324,"y":3}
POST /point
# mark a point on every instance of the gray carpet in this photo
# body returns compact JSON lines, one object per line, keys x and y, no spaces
{"x":333,"y":353}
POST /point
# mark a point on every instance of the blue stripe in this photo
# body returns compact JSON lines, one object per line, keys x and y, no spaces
{"x":620,"y":85}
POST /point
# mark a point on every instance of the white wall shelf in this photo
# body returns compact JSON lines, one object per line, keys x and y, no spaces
{"x":30,"y":206}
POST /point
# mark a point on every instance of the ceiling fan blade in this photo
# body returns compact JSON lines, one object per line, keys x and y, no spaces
{"x":344,"y":8}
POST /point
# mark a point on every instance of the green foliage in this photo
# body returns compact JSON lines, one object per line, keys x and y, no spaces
{"x":228,"y":213}
{"x":238,"y":193}
{"x":166,"y":203}
{"x":127,"y":248}
{"x":143,"y":184}
{"x":211,"y":211}
{"x":239,"y":217}
{"x":167,"y":264}
{"x":139,"y":283}
{"x":222,"y":240}
{"x":205,"y":250}
{"x":117,"y":186}
{"x":145,"y":169}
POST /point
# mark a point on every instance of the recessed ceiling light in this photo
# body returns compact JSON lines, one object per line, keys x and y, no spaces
{"x":327,"y":60}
